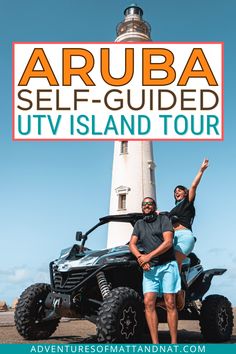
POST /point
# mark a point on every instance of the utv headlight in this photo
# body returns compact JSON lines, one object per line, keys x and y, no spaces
{"x":108,"y":260}
{"x":88,"y":261}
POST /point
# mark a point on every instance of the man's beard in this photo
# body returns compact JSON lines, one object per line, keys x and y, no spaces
{"x":150,"y":217}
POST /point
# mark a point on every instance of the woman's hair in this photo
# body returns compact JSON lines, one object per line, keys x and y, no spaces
{"x":183,"y":188}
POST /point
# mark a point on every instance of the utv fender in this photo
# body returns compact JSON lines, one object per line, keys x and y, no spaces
{"x":208,"y":275}
{"x":214,"y":271}
{"x":199,"y":288}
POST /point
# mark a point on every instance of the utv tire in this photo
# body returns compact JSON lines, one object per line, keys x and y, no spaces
{"x":216,"y":319}
{"x":30,"y":311}
{"x":121,"y":317}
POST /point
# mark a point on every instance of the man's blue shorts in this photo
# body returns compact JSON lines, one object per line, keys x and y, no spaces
{"x":162,"y":279}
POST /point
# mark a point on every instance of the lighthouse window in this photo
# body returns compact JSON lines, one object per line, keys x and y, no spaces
{"x":122,"y":202}
{"x":152,"y":176}
{"x":124,"y":147}
{"x":151,"y":166}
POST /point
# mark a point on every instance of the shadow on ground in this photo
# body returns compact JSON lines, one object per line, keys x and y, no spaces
{"x":184,"y":337}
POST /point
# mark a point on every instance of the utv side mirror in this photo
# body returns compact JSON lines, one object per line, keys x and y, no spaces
{"x":79,"y":236}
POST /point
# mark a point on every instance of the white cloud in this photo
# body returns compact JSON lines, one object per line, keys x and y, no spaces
{"x":19,"y":275}
{"x":14,"y":281}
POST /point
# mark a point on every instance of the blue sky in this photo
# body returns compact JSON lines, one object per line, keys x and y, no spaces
{"x":49,"y":190}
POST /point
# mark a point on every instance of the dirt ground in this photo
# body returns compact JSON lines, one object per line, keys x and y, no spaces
{"x":77,"y":331}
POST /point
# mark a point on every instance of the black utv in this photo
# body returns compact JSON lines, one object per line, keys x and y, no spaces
{"x":105,"y":287}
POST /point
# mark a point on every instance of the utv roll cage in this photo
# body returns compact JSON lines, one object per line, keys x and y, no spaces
{"x":128,"y":218}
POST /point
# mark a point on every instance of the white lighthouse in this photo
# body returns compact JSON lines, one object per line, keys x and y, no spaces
{"x":133,"y":173}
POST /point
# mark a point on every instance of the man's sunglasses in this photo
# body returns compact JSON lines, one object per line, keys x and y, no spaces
{"x":147,"y":203}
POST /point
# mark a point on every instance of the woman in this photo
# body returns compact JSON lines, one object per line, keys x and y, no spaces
{"x":182,"y":216}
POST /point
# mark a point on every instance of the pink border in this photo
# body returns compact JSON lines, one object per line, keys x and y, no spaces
{"x":133,"y":43}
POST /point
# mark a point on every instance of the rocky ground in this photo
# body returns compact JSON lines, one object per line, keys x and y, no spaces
{"x":77,"y":331}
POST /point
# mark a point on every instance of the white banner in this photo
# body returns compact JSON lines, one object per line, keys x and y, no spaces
{"x":118,"y":91}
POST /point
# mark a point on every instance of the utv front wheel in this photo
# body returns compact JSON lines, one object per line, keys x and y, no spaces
{"x":121,"y":317}
{"x":30,"y":311}
{"x":216,"y":319}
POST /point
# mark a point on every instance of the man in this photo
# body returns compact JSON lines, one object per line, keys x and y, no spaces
{"x":161,"y":276}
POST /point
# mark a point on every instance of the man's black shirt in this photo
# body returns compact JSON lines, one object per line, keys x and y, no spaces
{"x":150,"y":236}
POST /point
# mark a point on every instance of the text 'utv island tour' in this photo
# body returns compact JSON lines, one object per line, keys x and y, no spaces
{"x":105,"y":287}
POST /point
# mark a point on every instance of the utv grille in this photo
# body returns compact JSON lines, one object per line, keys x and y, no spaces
{"x":69,"y":281}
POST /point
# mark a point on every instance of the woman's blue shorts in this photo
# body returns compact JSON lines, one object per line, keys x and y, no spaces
{"x":184,"y":241}
{"x":162,"y":279}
